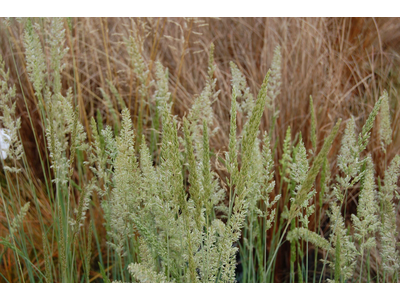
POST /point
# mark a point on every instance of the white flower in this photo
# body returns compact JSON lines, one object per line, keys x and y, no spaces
{"x":4,"y":143}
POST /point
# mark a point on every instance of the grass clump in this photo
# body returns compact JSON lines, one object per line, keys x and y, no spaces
{"x":139,"y":193}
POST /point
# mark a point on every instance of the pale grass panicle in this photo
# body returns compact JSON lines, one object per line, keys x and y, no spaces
{"x":242,"y":91}
{"x":366,"y":221}
{"x":298,"y":173}
{"x":388,"y":230}
{"x":36,"y":61}
{"x":18,"y":219}
{"x":348,"y":160}
{"x":139,"y":65}
{"x":201,"y":109}
{"x":274,"y":85}
{"x":287,"y":155}
{"x":385,"y":124}
{"x":268,"y":183}
{"x":347,"y":250}
{"x":126,"y":185}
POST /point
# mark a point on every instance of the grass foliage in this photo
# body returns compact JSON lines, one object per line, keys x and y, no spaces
{"x":140,"y":193}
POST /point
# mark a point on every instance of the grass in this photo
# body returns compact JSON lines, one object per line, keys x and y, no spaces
{"x":189,"y":150}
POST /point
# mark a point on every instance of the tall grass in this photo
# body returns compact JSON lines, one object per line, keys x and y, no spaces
{"x":114,"y":171}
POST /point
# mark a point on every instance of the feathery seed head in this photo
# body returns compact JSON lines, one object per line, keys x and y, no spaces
{"x":274,"y":85}
{"x":365,"y":132}
{"x":385,"y":125}
{"x":348,"y":160}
